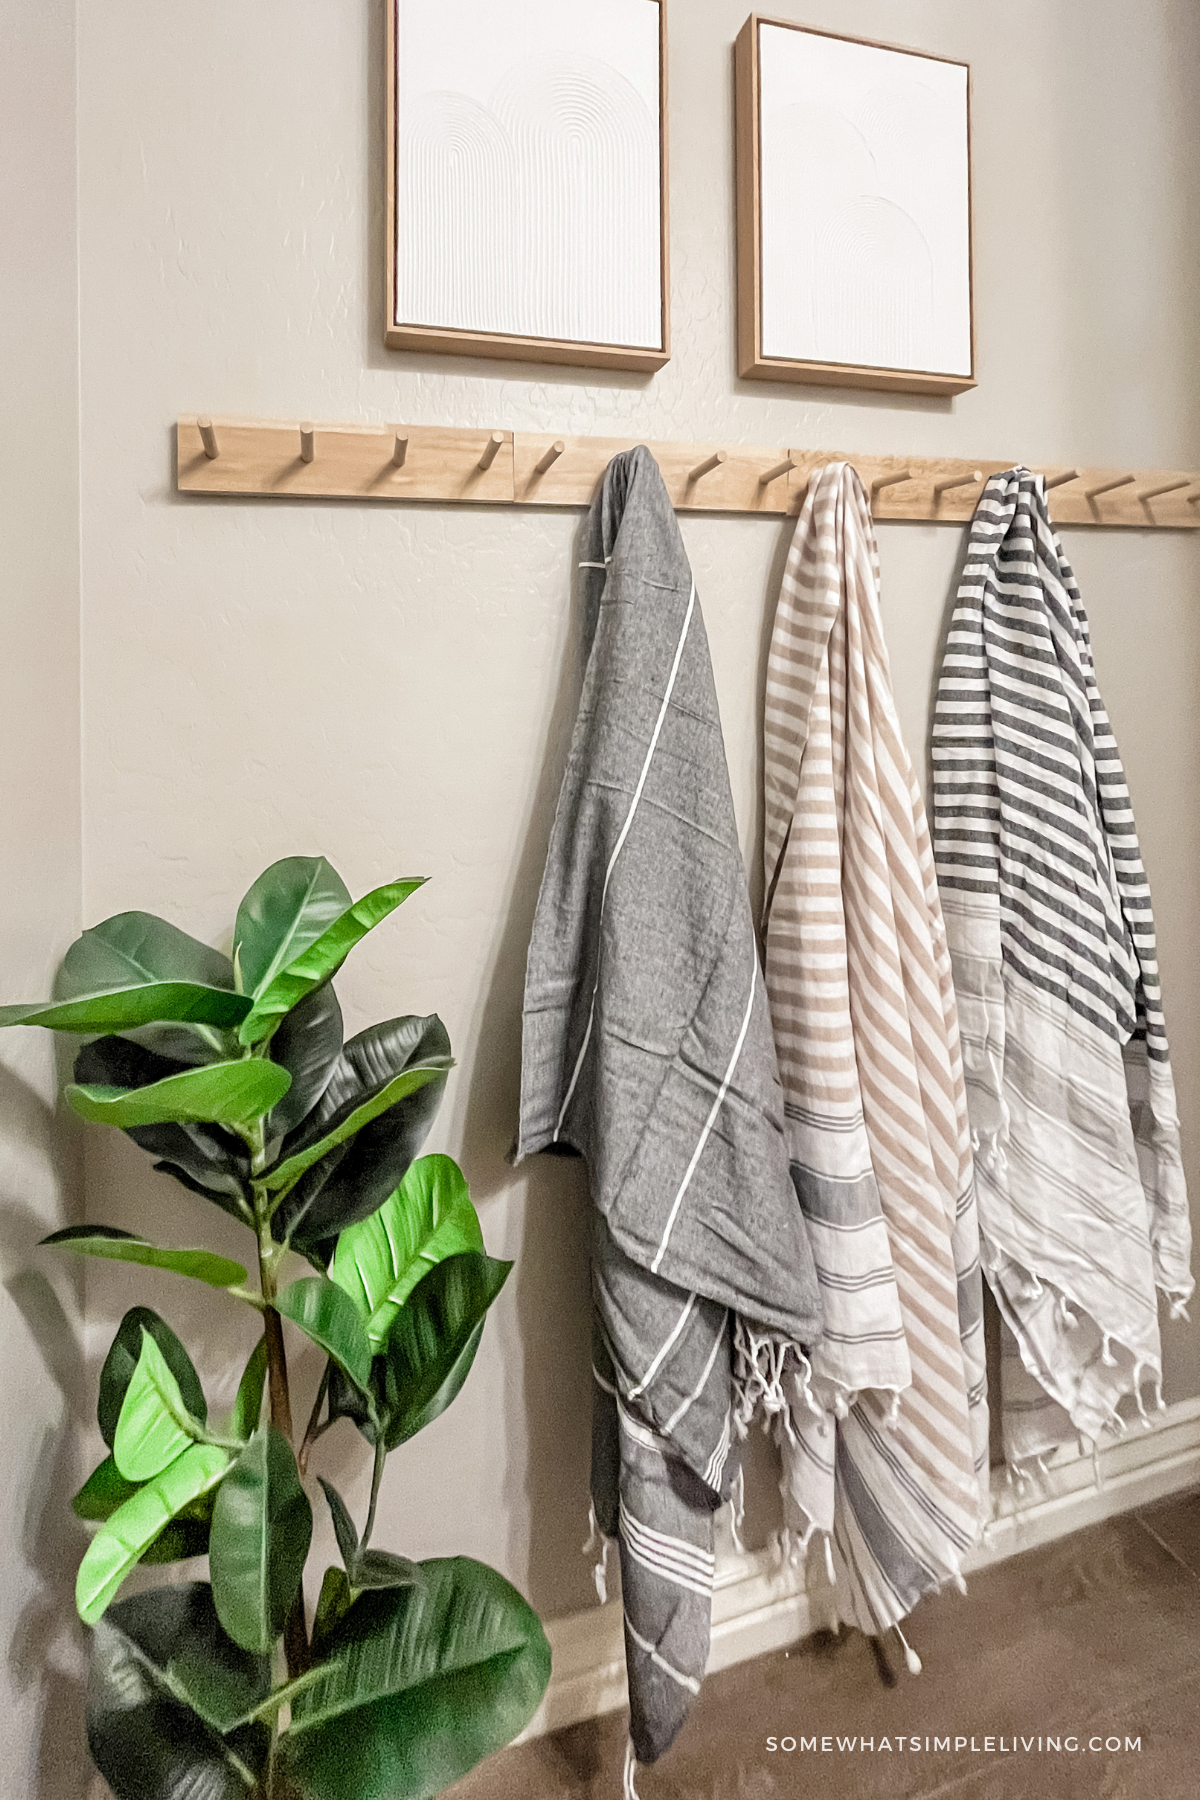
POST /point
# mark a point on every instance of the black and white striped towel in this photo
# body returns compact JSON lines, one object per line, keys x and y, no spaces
{"x":1082,"y":1201}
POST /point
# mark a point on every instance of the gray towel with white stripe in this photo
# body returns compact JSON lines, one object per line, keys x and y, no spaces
{"x":647,"y":1048}
{"x":1082,"y":1200}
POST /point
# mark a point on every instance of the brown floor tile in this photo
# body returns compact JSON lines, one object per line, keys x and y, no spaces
{"x":1097,"y":1635}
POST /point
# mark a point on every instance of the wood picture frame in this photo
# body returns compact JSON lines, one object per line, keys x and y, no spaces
{"x":404,"y":331}
{"x":884,"y":312}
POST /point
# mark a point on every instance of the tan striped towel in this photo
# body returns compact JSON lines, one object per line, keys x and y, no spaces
{"x":886,"y":1448}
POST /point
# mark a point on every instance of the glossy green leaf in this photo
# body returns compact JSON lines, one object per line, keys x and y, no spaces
{"x":121,"y":1542}
{"x":135,"y":948}
{"x":287,"y":983}
{"x":179,"y":1541}
{"x":347,"y":1159}
{"x":307,"y":1044}
{"x":333,"y":1603}
{"x":206,"y":1158}
{"x":366,"y":1568}
{"x":380,"y":1260}
{"x":119,"y":1011}
{"x":122,"y":1246}
{"x":331,"y":1319}
{"x":154,"y":1427}
{"x":104,"y":1490}
{"x":247,"y":1408}
{"x":230,"y":1093}
{"x":420,"y":1684}
{"x":288,"y":908}
{"x":261,"y":1531}
{"x":167,"y":1694}
{"x":429,"y":1352}
{"x":131,"y":971}
{"x":381,"y":1100}
{"x":122,"y":1360}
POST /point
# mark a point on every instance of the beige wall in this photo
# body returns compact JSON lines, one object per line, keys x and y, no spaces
{"x":41,"y":1739}
{"x":395,"y":687}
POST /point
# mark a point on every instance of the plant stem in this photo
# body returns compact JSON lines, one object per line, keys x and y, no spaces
{"x":313,"y":1430}
{"x":376,"y":1479}
{"x":295,"y":1632}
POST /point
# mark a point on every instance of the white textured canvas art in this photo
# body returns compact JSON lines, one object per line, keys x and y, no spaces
{"x":865,"y":198}
{"x":528,"y":169}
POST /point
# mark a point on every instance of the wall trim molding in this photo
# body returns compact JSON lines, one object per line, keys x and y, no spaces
{"x":762,"y":1603}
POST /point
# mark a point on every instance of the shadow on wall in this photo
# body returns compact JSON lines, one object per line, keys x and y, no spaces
{"x":548,"y":1353}
{"x":47,"y":1651}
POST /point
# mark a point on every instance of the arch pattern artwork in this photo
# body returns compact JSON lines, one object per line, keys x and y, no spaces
{"x":853,"y":212}
{"x":528,"y":176}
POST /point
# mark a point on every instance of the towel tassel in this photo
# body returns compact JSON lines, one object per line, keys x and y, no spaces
{"x":912,"y":1661}
{"x":1106,"y":1355}
{"x":1179,"y":1311}
{"x":827,"y":1540}
{"x":596,"y":1540}
{"x":628,"y":1788}
{"x":737,"y":1510}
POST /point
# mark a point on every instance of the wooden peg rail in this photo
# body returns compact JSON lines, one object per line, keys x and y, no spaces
{"x":502,"y":468}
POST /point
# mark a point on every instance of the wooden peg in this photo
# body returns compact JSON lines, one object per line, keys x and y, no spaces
{"x":773,"y":474}
{"x":1053,"y":481}
{"x":399,"y":449}
{"x":490,"y":450}
{"x":208,"y":438}
{"x":1168,"y":487}
{"x":708,"y":465}
{"x":306,"y":443}
{"x":957,"y":481}
{"x":1106,"y":487}
{"x":552,"y":455}
{"x":887,"y":481}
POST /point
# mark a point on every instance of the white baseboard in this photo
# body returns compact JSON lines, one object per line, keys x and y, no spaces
{"x":761,"y":1603}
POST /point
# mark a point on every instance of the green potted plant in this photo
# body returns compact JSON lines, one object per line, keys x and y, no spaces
{"x":233,"y":1074}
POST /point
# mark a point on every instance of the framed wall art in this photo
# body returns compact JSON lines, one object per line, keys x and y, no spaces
{"x":853,"y":212}
{"x":527,"y":180}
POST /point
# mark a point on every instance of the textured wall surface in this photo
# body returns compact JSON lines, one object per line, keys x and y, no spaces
{"x":395,"y":687}
{"x":41,"y":1738}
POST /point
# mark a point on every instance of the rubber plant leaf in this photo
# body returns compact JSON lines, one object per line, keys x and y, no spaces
{"x":154,"y":1427}
{"x":356,"y":1146}
{"x":285,"y":982}
{"x":216,"y":1161}
{"x":331,"y":1319}
{"x":288,"y":908}
{"x":261,"y":1531}
{"x":247,"y":1407}
{"x":224,"y":1093}
{"x":121,"y":1246}
{"x":166,"y":1695}
{"x":307,"y":1044}
{"x":429,"y":1352}
{"x":123,"y":1539}
{"x":122,"y":1360}
{"x":133,"y":970}
{"x":104,"y":1490}
{"x":365,"y":1568}
{"x":381,"y":1259}
{"x":418,"y":1685}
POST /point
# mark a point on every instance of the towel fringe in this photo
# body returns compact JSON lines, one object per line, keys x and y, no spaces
{"x":596,"y":1540}
{"x":737,"y":1511}
{"x":628,"y":1786}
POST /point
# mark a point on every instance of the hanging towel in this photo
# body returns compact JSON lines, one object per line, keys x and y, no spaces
{"x":647,"y":1048}
{"x":1083,"y":1206}
{"x":892,"y":1459}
